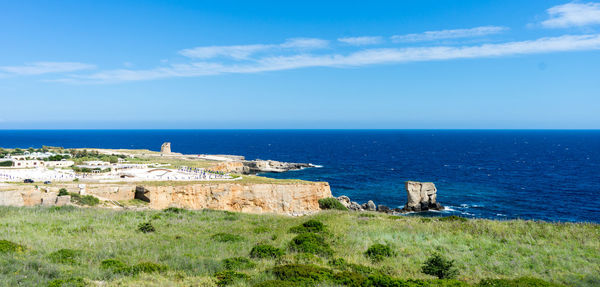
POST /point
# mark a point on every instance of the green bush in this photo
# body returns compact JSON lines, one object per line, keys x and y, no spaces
{"x":84,"y":199}
{"x":228,"y":277}
{"x":69,"y":282}
{"x":309,"y":226}
{"x":6,"y":163}
{"x":349,"y":278}
{"x":382,"y":280}
{"x":173,"y":210}
{"x":341,"y":264}
{"x":238,"y":263}
{"x":64,"y":256}
{"x":301,"y":273}
{"x":519,"y":282}
{"x":226,"y":237}
{"x":62,"y":192}
{"x":378,"y":252}
{"x":440,"y":267}
{"x":10,"y":247}
{"x":276,"y":283}
{"x":146,"y":227}
{"x":331,"y":203}
{"x":453,"y":218}
{"x":261,"y":229}
{"x":311,"y":243}
{"x":115,"y":266}
{"x":147,"y":267}
{"x":266,"y":251}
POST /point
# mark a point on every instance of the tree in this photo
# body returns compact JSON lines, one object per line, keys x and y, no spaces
{"x":439,"y":266}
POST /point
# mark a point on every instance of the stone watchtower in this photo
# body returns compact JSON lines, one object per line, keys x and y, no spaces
{"x":165,"y":147}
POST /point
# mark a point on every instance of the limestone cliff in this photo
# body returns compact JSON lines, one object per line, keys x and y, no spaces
{"x":293,"y":199}
{"x":282,"y":198}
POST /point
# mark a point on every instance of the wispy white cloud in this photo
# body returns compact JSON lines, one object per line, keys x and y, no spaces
{"x":39,"y":68}
{"x":360,"y":41}
{"x":449,"y":34}
{"x":245,"y":51}
{"x":305,"y":43}
{"x":354,"y":59}
{"x":236,"y":52}
{"x":573,"y":14}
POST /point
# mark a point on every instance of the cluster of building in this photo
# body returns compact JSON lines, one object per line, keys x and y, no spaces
{"x":36,"y":159}
{"x":36,"y":166}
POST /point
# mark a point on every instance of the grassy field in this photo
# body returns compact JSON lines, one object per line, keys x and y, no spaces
{"x":189,"y":253}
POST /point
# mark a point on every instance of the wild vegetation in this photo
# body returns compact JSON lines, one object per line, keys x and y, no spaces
{"x":68,"y":246}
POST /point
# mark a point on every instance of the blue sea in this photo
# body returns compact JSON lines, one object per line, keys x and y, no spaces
{"x":551,"y":175}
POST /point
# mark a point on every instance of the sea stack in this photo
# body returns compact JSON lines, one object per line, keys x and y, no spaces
{"x":421,"y":197}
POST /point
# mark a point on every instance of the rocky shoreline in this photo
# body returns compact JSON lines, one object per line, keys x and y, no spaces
{"x":421,"y":196}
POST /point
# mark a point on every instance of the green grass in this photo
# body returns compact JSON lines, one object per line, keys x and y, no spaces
{"x":183,"y":252}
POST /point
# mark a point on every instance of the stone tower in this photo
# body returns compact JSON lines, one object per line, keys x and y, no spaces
{"x":165,"y":148}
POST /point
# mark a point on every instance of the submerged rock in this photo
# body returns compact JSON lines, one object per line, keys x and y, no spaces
{"x":421,"y":196}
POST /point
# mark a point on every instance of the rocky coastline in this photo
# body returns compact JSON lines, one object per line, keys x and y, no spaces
{"x":421,"y":197}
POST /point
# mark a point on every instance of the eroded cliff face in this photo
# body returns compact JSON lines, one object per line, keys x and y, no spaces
{"x":294,"y":199}
{"x":285,"y":198}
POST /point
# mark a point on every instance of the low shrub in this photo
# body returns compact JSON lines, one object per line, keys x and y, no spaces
{"x":276,"y":283}
{"x":301,"y":273}
{"x":231,"y":216}
{"x":519,"y":282}
{"x":331,"y":203}
{"x":115,"y":266}
{"x":146,"y":227}
{"x":226,"y":237}
{"x":62,"y":192}
{"x":228,"y":277}
{"x":64,"y":256}
{"x":349,"y":278}
{"x":147,"y":267}
{"x":261,"y":229}
{"x":173,"y":210}
{"x":238,"y":263}
{"x":63,"y":208}
{"x":309,"y":226}
{"x":69,"y":282}
{"x":378,"y":252}
{"x":89,"y":200}
{"x":266,"y":251}
{"x":453,"y":218}
{"x":311,"y":243}
{"x":440,"y":267}
{"x":342,"y":264}
{"x":10,"y":247}
{"x":382,"y":280}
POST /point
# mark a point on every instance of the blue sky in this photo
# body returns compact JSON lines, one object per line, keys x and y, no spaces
{"x":307,"y":64}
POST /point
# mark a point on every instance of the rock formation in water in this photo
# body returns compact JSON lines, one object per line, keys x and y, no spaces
{"x":421,"y":196}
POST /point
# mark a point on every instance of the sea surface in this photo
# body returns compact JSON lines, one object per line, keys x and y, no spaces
{"x":497,"y":174}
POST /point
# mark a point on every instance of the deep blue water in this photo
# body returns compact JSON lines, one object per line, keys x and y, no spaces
{"x":499,"y":174}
